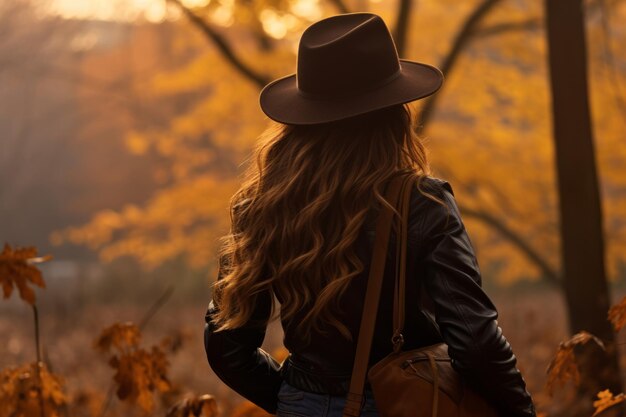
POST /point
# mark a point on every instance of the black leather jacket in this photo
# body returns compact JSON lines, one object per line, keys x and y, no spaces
{"x":454,"y":309}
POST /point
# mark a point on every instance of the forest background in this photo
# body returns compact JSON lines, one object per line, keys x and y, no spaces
{"x":125,"y":126}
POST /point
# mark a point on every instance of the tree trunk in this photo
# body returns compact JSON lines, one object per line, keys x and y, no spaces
{"x":402,"y":26}
{"x":585,"y":284}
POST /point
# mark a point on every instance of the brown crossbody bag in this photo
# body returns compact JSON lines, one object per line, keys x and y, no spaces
{"x":415,"y":383}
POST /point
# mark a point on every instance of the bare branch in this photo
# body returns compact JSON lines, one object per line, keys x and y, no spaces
{"x":549,"y":273}
{"x":516,"y":240}
{"x":460,"y":42}
{"x":499,"y":28}
{"x":223,"y":46}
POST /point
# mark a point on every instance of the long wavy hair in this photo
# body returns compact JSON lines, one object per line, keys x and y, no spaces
{"x":299,"y":210}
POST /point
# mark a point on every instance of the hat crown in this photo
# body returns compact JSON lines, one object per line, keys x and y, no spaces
{"x":346,"y":55}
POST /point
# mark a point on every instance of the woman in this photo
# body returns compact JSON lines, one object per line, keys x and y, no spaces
{"x":303,"y":228}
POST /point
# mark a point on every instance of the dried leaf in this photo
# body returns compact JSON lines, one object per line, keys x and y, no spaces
{"x":22,"y":392}
{"x":617,"y":315}
{"x":202,"y":406}
{"x":175,"y":341}
{"x":89,"y":399}
{"x":563,"y":366}
{"x":120,"y":336}
{"x":139,"y":372}
{"x":17,"y":269}
{"x":606,"y":400}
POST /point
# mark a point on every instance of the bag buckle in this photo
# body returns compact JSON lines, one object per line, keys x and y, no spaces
{"x":398,"y":341}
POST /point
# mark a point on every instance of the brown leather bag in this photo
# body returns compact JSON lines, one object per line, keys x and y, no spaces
{"x":415,"y":383}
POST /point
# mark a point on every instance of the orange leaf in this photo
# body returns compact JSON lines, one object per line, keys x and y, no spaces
{"x":606,"y":400}
{"x":139,"y":372}
{"x":120,"y":336}
{"x":17,"y":269}
{"x":25,"y":388}
{"x":617,"y":315}
{"x":563,"y":366}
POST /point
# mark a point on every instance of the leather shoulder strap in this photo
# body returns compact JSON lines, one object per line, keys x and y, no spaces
{"x":400,"y":287}
{"x":354,"y":397}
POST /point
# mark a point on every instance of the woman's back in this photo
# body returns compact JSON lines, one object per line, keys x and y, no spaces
{"x":332,"y":352}
{"x":453,"y":309}
{"x":302,"y":232}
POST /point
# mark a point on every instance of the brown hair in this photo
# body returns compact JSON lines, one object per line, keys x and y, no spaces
{"x":299,"y":211}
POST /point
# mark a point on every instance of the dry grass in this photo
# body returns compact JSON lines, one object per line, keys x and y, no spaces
{"x":534,"y":323}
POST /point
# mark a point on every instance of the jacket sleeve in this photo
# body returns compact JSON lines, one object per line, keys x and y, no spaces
{"x":466,"y":316}
{"x":237,"y":359}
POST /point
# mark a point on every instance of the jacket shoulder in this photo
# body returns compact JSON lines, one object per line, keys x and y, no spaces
{"x":434,"y":185}
{"x":433,"y":209}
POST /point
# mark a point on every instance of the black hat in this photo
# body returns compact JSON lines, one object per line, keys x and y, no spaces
{"x":347,"y":65}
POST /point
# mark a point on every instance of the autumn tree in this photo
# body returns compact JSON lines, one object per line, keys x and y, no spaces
{"x":507,"y":91}
{"x":487,"y":129}
{"x":584,"y":283}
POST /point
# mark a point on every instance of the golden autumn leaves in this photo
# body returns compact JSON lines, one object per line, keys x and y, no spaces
{"x":17,"y":269}
{"x":138,"y":372}
{"x":32,"y":390}
{"x":563,"y":366}
{"x":27,"y":389}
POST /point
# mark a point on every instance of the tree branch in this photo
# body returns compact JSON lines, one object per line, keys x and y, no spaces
{"x":222,"y":45}
{"x":461,"y":40}
{"x":499,"y":28}
{"x":340,"y":5}
{"x":402,"y":24}
{"x":548,"y":272}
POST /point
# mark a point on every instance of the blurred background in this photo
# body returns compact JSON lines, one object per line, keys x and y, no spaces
{"x":125,"y":123}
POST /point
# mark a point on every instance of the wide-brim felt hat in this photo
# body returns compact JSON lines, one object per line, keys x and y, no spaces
{"x":347,"y":65}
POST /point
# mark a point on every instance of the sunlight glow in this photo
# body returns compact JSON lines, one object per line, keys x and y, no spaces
{"x":223,"y":15}
{"x":309,"y":9}
{"x":277,"y":25}
{"x":121,"y":10}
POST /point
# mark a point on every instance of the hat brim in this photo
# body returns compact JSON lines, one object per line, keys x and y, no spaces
{"x":281,"y":100}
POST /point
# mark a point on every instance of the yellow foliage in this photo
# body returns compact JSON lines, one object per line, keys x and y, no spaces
{"x":606,"y":400}
{"x":136,"y":143}
{"x":24,"y":389}
{"x":490,"y":137}
{"x":17,"y":269}
{"x":185,"y":219}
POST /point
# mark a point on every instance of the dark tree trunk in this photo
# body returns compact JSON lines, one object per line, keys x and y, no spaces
{"x":585,"y":284}
{"x":402,"y":26}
